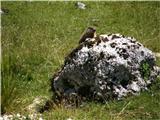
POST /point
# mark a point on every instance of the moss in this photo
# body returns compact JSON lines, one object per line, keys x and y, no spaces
{"x":145,"y":70}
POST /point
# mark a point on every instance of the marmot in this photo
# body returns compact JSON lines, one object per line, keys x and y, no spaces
{"x":89,"y":33}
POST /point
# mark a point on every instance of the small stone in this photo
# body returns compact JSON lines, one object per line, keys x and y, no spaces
{"x":37,"y":104}
{"x":81,"y":5}
{"x":1,"y":12}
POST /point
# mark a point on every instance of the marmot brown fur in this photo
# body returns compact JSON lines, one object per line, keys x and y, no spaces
{"x":89,"y":33}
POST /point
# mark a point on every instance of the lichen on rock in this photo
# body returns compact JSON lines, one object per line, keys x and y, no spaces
{"x":106,"y":67}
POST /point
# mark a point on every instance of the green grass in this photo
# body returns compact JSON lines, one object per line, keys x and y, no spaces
{"x":36,"y":36}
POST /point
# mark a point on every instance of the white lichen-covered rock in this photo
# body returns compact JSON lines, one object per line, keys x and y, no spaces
{"x":81,"y":5}
{"x":106,"y":67}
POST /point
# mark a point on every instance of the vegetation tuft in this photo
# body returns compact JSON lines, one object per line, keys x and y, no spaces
{"x":145,"y":70}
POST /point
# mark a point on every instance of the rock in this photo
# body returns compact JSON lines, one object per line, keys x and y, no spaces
{"x":37,"y":104}
{"x":106,"y":67}
{"x":81,"y":5}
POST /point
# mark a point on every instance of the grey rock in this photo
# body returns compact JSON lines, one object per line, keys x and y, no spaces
{"x":37,"y":104}
{"x":106,"y":67}
{"x":81,"y":5}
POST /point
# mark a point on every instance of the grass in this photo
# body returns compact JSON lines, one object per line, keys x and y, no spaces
{"x":36,"y":36}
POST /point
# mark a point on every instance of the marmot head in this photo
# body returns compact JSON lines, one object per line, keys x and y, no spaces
{"x":91,"y":30}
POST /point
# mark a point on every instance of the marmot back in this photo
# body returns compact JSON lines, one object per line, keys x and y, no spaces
{"x":89,"y":33}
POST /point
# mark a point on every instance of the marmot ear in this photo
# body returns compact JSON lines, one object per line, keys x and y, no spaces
{"x":91,"y":28}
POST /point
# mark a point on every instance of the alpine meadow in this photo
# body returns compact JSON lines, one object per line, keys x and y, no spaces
{"x":37,"y":35}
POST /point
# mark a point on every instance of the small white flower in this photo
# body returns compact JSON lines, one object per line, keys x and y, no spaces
{"x":69,"y":119}
{"x":24,"y":117}
{"x":40,"y":118}
{"x":18,"y":115}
